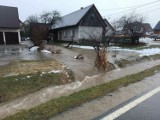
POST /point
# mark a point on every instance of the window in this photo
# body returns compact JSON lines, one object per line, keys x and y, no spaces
{"x":64,"y":33}
{"x":72,"y":33}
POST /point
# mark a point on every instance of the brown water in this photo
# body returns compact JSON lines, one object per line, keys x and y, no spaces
{"x":85,"y":73}
{"x":81,"y":68}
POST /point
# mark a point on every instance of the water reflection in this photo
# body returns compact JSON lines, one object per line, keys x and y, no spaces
{"x":9,"y":54}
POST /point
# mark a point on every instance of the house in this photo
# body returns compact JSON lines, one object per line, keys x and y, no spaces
{"x":157,"y":28}
{"x":147,"y":29}
{"x":9,"y":25}
{"x":82,"y":24}
{"x":130,"y":33}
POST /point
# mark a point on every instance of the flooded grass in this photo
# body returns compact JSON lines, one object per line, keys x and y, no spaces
{"x":27,"y":67}
{"x":134,"y":47}
{"x":155,"y":57}
{"x":123,"y":62}
{"x":56,"y":106}
{"x":12,"y":87}
{"x":20,"y":78}
{"x":148,"y":47}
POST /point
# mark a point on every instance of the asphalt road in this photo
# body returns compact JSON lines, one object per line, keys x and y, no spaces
{"x":147,"y":110}
{"x":145,"y":107}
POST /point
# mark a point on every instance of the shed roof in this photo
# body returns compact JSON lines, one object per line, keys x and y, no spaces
{"x":157,"y":27}
{"x":73,"y":18}
{"x":9,"y":17}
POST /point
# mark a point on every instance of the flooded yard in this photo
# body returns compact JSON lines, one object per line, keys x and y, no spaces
{"x":86,"y":74}
{"x":81,"y":68}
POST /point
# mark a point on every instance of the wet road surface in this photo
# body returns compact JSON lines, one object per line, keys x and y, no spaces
{"x":142,"y":107}
{"x":147,"y":110}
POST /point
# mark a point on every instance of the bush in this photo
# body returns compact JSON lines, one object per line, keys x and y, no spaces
{"x":101,"y":61}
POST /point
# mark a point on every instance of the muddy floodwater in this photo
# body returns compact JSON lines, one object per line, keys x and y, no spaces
{"x":86,"y":76}
{"x":11,"y":53}
{"x":81,"y":68}
{"x":53,"y":92}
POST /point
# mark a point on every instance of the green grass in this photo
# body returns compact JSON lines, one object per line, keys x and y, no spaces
{"x":123,"y":62}
{"x":135,"y":47}
{"x":12,"y":87}
{"x":56,"y":106}
{"x":140,"y":46}
{"x":148,"y":47}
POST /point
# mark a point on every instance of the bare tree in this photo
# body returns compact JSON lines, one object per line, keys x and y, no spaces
{"x":95,"y":40}
{"x":50,"y":18}
{"x":26,"y":24}
{"x":128,"y":19}
{"x":38,"y":27}
{"x":33,"y":19}
{"x":130,"y":25}
{"x":39,"y":33}
{"x":45,"y":16}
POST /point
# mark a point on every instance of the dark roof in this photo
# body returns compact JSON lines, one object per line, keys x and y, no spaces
{"x":147,"y":27}
{"x":157,"y":27}
{"x":9,"y":17}
{"x":73,"y":18}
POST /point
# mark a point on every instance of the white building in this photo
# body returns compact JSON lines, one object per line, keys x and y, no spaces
{"x":85,"y":23}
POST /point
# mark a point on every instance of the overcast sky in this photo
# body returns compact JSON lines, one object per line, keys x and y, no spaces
{"x":110,"y":9}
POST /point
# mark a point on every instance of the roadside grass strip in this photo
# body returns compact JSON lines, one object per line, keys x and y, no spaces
{"x":59,"y":105}
{"x":123,"y":62}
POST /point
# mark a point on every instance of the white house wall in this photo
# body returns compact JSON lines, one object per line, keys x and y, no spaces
{"x":10,"y":30}
{"x":86,"y":32}
{"x":68,"y":34}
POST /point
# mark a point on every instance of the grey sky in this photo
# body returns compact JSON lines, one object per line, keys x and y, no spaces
{"x":105,"y":7}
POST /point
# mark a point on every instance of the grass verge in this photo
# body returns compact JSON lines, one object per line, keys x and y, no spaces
{"x":27,"y":67}
{"x":134,"y":47}
{"x":148,"y":47}
{"x":55,"y":106}
{"x":12,"y":87}
{"x":123,"y":62}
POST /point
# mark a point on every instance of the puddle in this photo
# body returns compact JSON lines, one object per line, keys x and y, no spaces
{"x":10,"y":54}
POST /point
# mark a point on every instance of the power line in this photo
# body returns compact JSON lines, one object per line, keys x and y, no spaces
{"x":132,"y":6}
{"x":137,"y":7}
{"x":121,"y":8}
{"x":153,"y":10}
